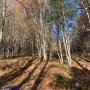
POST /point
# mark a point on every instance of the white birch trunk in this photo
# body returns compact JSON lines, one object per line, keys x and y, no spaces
{"x":43,"y":44}
{"x":60,"y":48}
{"x":66,"y":40}
{"x":86,"y":9}
{"x":44,"y":50}
{"x":3,"y":19}
{"x":39,"y":50}
{"x":67,"y":49}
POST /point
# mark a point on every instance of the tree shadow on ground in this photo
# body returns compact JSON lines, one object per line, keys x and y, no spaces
{"x":39,"y":78}
{"x":12,"y":65}
{"x":29,"y":75}
{"x":79,"y":64}
{"x":60,"y":82}
{"x":80,"y":80}
{"x":82,"y":77}
{"x":14,"y":74}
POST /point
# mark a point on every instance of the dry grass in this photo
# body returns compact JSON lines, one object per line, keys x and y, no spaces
{"x":32,"y":74}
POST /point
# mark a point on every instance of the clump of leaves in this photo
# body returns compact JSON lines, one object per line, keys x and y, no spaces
{"x":61,"y":81}
{"x":53,"y":65}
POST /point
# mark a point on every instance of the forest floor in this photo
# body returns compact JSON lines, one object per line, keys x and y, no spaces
{"x":33,"y":74}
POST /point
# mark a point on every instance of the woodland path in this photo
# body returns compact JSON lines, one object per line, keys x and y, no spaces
{"x":27,"y":73}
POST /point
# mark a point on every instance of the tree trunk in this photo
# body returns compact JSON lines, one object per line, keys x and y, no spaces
{"x":60,"y":48}
{"x":66,"y":42}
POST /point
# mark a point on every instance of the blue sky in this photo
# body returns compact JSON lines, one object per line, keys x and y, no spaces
{"x":71,"y":23}
{"x":78,"y":12}
{"x":70,"y":1}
